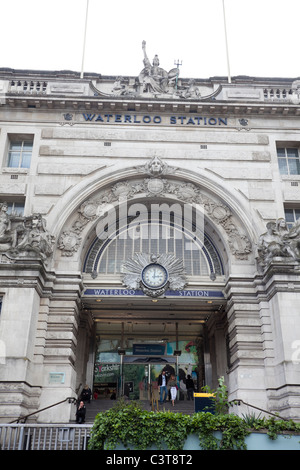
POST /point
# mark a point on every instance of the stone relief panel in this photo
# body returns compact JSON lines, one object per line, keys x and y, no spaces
{"x":160,"y":182}
{"x":24,"y":237}
{"x":279,"y":243}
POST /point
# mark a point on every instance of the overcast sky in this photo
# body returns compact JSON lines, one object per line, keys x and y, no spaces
{"x":263,"y":36}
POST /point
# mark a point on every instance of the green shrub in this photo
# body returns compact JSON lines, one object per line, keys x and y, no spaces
{"x":128,"y":423}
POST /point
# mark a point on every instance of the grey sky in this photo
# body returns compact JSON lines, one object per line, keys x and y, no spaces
{"x":48,"y":35}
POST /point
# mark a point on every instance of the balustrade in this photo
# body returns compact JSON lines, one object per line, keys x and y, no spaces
{"x":275,"y":93}
{"x":31,"y":87}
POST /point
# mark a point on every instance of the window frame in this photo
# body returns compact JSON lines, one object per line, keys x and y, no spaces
{"x":293,"y":210}
{"x":288,"y":159}
{"x":22,"y":140}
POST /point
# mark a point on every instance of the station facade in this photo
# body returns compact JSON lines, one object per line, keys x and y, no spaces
{"x":148,"y":223}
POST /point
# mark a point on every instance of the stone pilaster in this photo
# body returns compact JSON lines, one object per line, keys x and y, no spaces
{"x":280,"y":288}
{"x":22,"y":284}
{"x":246,"y":345}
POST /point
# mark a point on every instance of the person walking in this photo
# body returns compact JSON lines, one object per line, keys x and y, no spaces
{"x":162,"y":384}
{"x":190,"y":388}
{"x":172,"y":385}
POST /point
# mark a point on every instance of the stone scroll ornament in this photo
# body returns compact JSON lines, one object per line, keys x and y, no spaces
{"x":174,"y":273}
{"x":24,"y":237}
{"x":279,"y":242}
{"x":159,"y":183}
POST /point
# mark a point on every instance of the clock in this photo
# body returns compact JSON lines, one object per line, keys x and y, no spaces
{"x":154,"y":276}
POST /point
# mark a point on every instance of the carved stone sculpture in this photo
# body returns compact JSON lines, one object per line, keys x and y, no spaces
{"x":5,"y":228}
{"x":24,"y":237}
{"x":279,"y":241}
{"x":32,"y":238}
{"x":153,"y":78}
{"x":68,"y":243}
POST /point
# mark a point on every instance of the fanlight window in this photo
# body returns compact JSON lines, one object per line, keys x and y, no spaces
{"x":200,"y":257}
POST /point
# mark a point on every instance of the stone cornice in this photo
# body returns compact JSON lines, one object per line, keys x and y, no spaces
{"x":96,"y":104}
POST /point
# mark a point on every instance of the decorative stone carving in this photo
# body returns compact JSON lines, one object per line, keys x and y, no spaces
{"x":24,"y":237}
{"x":69,"y":242}
{"x":154,"y":81}
{"x":188,"y":193}
{"x":5,"y":228}
{"x":156,"y":167}
{"x":279,"y":241}
{"x":192,"y":91}
{"x":133,"y":268}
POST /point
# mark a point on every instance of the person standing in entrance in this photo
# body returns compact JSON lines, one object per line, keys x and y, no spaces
{"x":173,"y":388}
{"x":162,"y":383}
{"x":190,"y":388}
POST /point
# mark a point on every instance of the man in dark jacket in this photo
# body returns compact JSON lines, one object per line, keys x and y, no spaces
{"x":162,"y":384}
{"x":190,"y":387}
{"x":80,"y":413}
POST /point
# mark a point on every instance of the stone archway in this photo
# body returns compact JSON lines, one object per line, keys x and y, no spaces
{"x":158,"y":182}
{"x":151,"y":181}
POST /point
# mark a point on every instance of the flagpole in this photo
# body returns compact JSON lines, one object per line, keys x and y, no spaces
{"x":84,"y":39}
{"x":226,"y":42}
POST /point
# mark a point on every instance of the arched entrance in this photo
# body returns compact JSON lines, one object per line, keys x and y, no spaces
{"x":166,"y":215}
{"x":139,"y":334}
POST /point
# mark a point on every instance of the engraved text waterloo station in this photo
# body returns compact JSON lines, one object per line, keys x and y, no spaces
{"x":147,"y":119}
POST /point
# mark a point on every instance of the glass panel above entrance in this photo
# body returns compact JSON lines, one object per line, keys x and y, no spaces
{"x":200,"y":257}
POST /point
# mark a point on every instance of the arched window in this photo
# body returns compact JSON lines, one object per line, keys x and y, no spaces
{"x":199,"y":255}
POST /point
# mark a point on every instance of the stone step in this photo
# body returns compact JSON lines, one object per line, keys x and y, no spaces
{"x":102,"y":405}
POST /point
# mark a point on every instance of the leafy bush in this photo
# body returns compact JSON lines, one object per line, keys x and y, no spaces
{"x":128,"y":423}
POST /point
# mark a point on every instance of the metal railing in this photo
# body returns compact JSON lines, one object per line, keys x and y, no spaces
{"x":44,"y":436}
{"x":238,"y":402}
{"x":24,"y":418}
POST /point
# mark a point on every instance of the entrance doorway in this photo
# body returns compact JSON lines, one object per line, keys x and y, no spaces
{"x":139,"y":378}
{"x":188,"y":335}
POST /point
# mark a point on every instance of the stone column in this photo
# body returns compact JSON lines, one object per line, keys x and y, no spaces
{"x":60,"y":356}
{"x":246,"y":344}
{"x":25,"y":285}
{"x":281,"y":281}
{"x":19,"y":392}
{"x":217,"y":331}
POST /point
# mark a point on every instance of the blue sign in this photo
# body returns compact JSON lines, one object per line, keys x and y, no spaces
{"x":148,"y":349}
{"x":131,"y":292}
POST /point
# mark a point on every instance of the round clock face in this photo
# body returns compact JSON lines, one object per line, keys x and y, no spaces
{"x":154,"y":276}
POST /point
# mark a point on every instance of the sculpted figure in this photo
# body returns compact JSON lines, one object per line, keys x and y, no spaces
{"x":192,"y":91}
{"x":280,"y":241}
{"x":293,"y":239}
{"x":118,"y":88}
{"x":153,"y":78}
{"x":270,"y":243}
{"x":5,"y":225}
{"x":32,"y":237}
